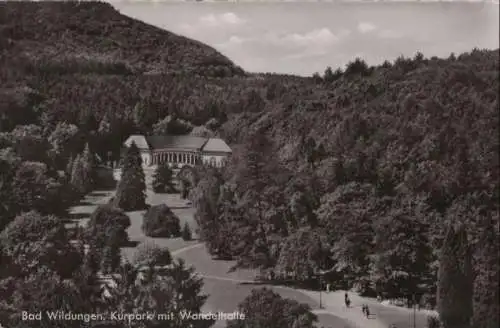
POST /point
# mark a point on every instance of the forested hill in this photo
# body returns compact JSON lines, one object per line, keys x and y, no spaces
{"x":64,"y":35}
{"x":359,"y":169}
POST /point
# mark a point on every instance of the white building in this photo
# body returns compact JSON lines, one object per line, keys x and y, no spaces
{"x":180,"y":150}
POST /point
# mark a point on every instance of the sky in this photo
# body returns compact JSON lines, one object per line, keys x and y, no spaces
{"x":306,"y":37}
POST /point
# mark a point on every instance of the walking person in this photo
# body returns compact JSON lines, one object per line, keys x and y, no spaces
{"x":363,"y":308}
{"x":367,"y":312}
{"x":347,"y":300}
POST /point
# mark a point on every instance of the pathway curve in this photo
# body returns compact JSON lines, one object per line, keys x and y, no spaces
{"x":333,"y":302}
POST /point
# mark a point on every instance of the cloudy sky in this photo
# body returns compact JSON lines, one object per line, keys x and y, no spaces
{"x":302,"y":38}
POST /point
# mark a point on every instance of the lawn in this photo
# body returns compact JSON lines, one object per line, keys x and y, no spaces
{"x":80,"y":214}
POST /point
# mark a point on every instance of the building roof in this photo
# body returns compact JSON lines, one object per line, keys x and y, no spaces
{"x":176,"y":142}
{"x":216,"y":145}
{"x":188,"y":143}
{"x":140,"y":141}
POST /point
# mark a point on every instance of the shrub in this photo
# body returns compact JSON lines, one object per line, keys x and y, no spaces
{"x":150,"y":254}
{"x":160,"y":221}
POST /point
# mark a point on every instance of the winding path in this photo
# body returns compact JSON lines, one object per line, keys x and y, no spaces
{"x":333,"y":302}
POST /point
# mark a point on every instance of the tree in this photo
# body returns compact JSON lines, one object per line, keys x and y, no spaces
{"x":78,"y":175}
{"x":347,"y":214}
{"x":303,"y":254}
{"x":33,"y":241}
{"x":36,"y":187}
{"x":160,"y":221}
{"x":88,"y":163}
{"x":206,"y":219}
{"x":186,"y":232}
{"x":186,"y":286}
{"x":43,"y":291}
{"x":8,"y":205}
{"x":162,"y":179}
{"x":172,"y":125}
{"x":184,"y":186}
{"x":264,"y":308}
{"x":358,"y":66}
{"x":202,"y":131}
{"x":486,"y":298}
{"x":29,"y":143}
{"x":131,"y":190}
{"x":205,"y":197}
{"x":64,"y":140}
{"x":111,"y":254}
{"x":455,"y":280}
{"x":188,"y":178}
{"x":68,"y":170}
{"x":139,"y":116}
{"x":105,"y":222}
{"x":401,"y":263}
{"x":170,"y":287}
{"x":255,"y":173}
{"x":330,"y":76}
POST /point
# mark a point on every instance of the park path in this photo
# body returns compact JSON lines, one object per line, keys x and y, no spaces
{"x":333,"y":302}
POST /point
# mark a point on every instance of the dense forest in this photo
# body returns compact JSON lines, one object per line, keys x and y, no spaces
{"x":363,"y":173}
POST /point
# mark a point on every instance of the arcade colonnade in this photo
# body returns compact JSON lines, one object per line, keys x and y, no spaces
{"x":160,"y":157}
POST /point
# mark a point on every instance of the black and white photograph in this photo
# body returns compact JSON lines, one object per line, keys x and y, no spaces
{"x":249,"y":164}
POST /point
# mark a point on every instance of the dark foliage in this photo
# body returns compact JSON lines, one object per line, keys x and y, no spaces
{"x":264,"y":308}
{"x":455,"y":280}
{"x":150,"y":255}
{"x":131,"y":190}
{"x":32,"y":241}
{"x":162,"y":179}
{"x":486,"y":298}
{"x":160,"y":221}
{"x":186,"y":233}
{"x":107,"y":222}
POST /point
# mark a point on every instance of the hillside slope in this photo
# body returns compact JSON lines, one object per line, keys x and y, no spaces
{"x":65,"y":34}
{"x":405,"y":147}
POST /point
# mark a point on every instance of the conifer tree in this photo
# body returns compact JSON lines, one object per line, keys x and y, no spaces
{"x":455,"y":280}
{"x":111,"y":257}
{"x":69,"y":168}
{"x":88,"y":164}
{"x":186,"y":232}
{"x":162,"y":179}
{"x":131,"y":191}
{"x":78,"y":175}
